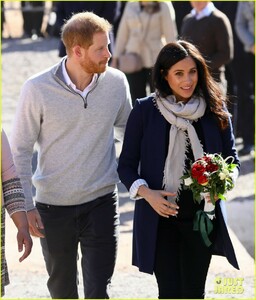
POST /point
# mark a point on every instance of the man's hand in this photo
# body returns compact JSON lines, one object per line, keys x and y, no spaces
{"x":35,"y":223}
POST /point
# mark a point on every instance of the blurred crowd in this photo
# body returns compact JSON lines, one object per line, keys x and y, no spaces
{"x":226,"y":40}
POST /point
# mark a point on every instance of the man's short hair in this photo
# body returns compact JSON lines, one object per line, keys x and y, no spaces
{"x":80,"y":29}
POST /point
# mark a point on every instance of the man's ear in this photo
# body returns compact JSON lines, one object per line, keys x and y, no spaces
{"x":77,"y":51}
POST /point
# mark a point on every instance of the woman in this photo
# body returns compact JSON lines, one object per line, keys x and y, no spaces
{"x":184,"y":118}
{"x":145,"y":27}
{"x":13,"y":200}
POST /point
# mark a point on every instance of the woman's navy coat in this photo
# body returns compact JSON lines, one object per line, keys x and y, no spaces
{"x":145,"y":147}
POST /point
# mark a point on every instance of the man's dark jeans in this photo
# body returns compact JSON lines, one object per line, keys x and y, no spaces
{"x":94,"y":226}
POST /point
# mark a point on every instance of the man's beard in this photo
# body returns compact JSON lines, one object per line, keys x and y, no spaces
{"x":93,"y":68}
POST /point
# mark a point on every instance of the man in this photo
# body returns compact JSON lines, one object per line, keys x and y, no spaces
{"x":33,"y":15}
{"x":71,"y":112}
{"x":210,"y":30}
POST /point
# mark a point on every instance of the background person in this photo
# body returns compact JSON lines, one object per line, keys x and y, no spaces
{"x":12,"y":199}
{"x":144,"y":28}
{"x":33,"y":14}
{"x":245,"y":26}
{"x":233,"y":70}
{"x":210,"y":31}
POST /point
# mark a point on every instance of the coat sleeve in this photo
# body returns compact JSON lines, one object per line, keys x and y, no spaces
{"x":229,"y":147}
{"x":130,"y":156}
{"x":224,"y":143}
{"x":12,"y":192}
{"x":219,"y":141}
{"x":8,"y":170}
{"x":124,"y":111}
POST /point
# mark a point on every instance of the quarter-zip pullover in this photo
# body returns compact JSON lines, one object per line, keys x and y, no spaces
{"x":74,"y":136}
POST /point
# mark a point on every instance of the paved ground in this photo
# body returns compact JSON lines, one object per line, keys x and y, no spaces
{"x":22,"y":58}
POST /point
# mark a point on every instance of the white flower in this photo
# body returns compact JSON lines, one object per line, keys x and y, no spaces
{"x":188,"y":181}
{"x":223,"y":174}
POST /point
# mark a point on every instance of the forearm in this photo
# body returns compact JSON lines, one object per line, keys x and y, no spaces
{"x":20,"y":220}
{"x":14,"y":200}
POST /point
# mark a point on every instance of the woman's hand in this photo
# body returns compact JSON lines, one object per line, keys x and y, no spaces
{"x":24,"y":240}
{"x":24,"y":243}
{"x":207,"y":197}
{"x":156,"y":199}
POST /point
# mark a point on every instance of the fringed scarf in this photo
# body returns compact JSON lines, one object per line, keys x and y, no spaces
{"x":180,"y":115}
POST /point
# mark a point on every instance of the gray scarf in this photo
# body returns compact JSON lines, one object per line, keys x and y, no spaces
{"x":180,"y":115}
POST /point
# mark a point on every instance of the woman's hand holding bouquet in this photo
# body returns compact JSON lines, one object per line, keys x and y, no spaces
{"x":209,"y":178}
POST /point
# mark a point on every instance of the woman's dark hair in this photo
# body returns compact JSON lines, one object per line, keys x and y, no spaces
{"x":206,"y":87}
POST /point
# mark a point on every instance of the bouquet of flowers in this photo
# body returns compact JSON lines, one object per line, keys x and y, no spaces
{"x":209,"y":175}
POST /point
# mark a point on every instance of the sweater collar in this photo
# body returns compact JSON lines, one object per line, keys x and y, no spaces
{"x":59,"y":76}
{"x":69,"y":82}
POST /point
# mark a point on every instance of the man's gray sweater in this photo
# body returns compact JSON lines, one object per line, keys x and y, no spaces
{"x":74,"y":136}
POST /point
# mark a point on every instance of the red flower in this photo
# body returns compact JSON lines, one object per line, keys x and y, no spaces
{"x":207,"y":159}
{"x":203,"y":180}
{"x":197,"y":170}
{"x":212,"y":167}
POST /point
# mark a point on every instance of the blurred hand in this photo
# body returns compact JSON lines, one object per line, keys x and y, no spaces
{"x":24,"y":239}
{"x":35,"y":223}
